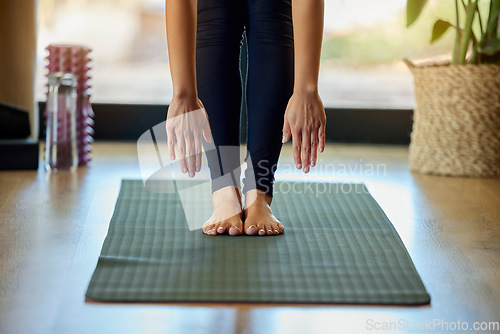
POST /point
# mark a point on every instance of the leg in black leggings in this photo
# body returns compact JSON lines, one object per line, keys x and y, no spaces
{"x":219,"y":33}
{"x":270,"y":84}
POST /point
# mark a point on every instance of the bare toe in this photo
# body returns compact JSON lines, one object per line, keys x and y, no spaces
{"x":275,"y":229}
{"x":252,"y":230}
{"x":207,"y":228}
{"x":262,"y":229}
{"x":281,"y":228}
{"x":222,"y":228}
{"x":234,"y":230}
{"x":213,"y":230}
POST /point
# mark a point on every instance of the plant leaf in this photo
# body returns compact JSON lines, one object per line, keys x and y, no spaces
{"x":456,"y":51}
{"x":492,"y":47}
{"x":469,"y":18}
{"x":473,"y":38}
{"x":440,"y":27}
{"x":475,"y":57}
{"x":413,"y":10}
{"x":492,"y":23}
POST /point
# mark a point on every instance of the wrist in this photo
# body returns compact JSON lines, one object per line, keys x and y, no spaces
{"x":306,"y":89}
{"x":185,"y":94}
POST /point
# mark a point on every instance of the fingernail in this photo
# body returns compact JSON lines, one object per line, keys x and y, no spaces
{"x":299,"y":166}
{"x":184,"y":169}
{"x":283,"y":140}
{"x":172,"y":157}
{"x":312,"y":163}
{"x":191,"y":174}
{"x":306,"y":169}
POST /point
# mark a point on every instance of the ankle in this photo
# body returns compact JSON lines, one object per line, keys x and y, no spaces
{"x":256,"y":197}
{"x":227,"y":195}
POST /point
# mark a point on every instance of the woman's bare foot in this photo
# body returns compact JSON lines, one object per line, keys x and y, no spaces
{"x":259,"y":218}
{"x":227,"y":216}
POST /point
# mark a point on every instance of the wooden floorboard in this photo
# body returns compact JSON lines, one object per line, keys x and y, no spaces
{"x":52,"y":229}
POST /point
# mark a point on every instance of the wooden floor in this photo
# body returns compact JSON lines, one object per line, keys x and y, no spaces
{"x":52,"y":228}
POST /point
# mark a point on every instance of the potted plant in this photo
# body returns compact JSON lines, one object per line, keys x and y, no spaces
{"x":456,"y":128}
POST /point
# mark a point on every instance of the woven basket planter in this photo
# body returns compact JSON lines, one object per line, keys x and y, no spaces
{"x":456,"y":123}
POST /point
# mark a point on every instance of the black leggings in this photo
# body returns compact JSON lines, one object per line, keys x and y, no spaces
{"x":268,"y":28}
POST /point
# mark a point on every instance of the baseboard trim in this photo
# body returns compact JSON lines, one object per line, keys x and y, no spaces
{"x":19,"y":154}
{"x":128,"y":122}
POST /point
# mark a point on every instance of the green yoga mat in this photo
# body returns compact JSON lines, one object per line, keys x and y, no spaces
{"x":338,"y":247}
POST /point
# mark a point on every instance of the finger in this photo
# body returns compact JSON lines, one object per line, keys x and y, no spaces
{"x":207,"y":132}
{"x":190,"y":154}
{"x":321,"y":137}
{"x":286,"y":132}
{"x":296,"y":149}
{"x":181,"y":147}
{"x":171,"y":142}
{"x":198,"y":150}
{"x":314,"y":148}
{"x":306,"y":150}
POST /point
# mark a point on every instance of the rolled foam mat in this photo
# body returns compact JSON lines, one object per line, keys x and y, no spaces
{"x":338,"y":247}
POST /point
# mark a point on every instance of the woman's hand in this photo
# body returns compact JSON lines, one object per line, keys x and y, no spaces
{"x":305,"y":121}
{"x":187,"y":122}
{"x":305,"y":117}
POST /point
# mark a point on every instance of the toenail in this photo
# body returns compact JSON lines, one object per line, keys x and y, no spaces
{"x":276,"y":231}
{"x":252,"y":226}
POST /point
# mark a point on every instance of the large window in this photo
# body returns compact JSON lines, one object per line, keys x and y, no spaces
{"x":364,"y":42}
